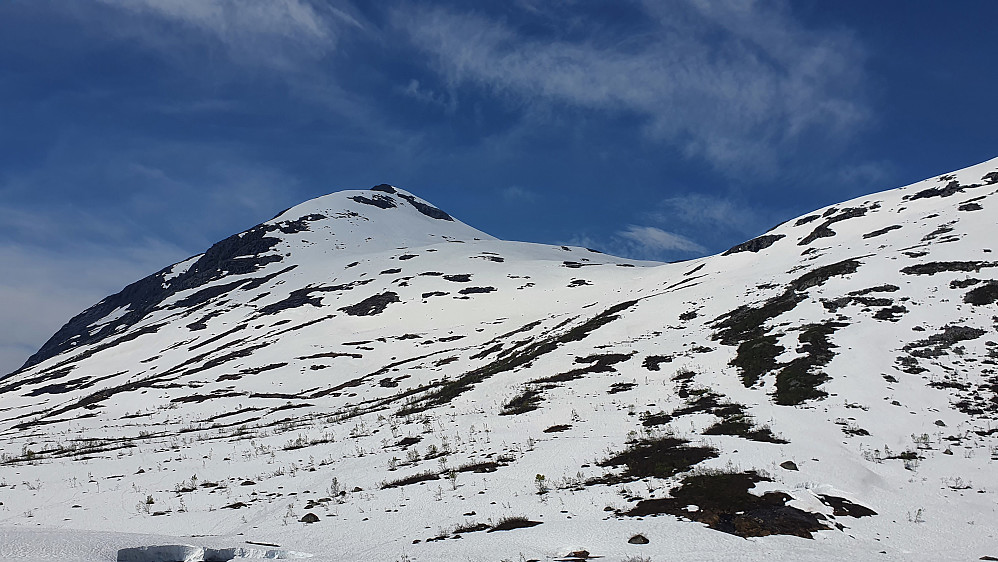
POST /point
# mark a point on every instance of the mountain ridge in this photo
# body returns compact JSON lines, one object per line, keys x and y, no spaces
{"x":822,"y":375}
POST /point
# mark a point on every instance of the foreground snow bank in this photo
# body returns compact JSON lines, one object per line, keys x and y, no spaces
{"x":187,"y":553}
{"x":61,"y":545}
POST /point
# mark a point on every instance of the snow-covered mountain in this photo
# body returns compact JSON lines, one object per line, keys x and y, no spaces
{"x":364,"y":377}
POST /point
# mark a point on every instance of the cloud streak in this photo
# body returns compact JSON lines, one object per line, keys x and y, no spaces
{"x":651,"y":240}
{"x":730,"y":82}
{"x":273,"y":33}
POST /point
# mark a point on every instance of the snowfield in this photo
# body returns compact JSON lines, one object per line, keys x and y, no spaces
{"x":365,"y":377}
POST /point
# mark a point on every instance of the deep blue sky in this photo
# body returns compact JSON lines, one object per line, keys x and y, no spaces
{"x":134,"y":133}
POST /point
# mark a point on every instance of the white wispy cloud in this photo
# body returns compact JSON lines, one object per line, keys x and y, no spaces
{"x":731,"y":82}
{"x":652,"y":240}
{"x":707,"y":212}
{"x":274,"y":33}
{"x":517,"y":194}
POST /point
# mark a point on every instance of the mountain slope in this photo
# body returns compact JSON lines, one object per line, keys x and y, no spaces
{"x":406,"y":379}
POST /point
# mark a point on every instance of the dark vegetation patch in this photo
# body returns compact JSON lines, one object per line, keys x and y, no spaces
{"x":497,"y":347}
{"x":459,"y":277}
{"x":379,"y":201}
{"x":217,"y":337}
{"x":518,"y":355}
{"x":598,"y":363}
{"x":932,"y":268}
{"x":724,"y":503}
{"x":407,"y":480}
{"x":798,"y":380}
{"x":937,"y":345}
{"x":332,"y":355}
{"x":735,"y":419}
{"x":445,"y":360}
{"x":963,"y":283}
{"x":833,"y":305}
{"x":755,"y":244}
{"x":514,"y":522}
{"x":908,"y":364}
{"x":758,"y":349}
{"x":818,"y":276}
{"x":470,"y":528}
{"x":375,"y":304}
{"x":206,"y":294}
{"x":878,"y":289}
{"x":822,"y":230}
{"x":649,"y":419}
{"x":652,"y":362}
{"x":526,"y":401}
{"x":661,"y":457}
{"x":621,"y":387}
{"x":881,"y":231}
{"x":408,"y":441}
{"x":575,"y":264}
{"x":484,"y":467}
{"x":250,"y":371}
{"x":298,"y":225}
{"x":943,"y":229}
{"x":842,"y":507}
{"x":297,"y":298}
{"x":688,"y":315}
{"x":850,"y":428}
{"x":476,"y":290}
{"x":951,"y":188}
{"x":983,"y":295}
{"x":59,"y":387}
{"x":428,"y":210}
{"x":201,"y":397}
{"x":891,"y":313}
{"x":303,"y":296}
{"x":695,"y":269}
{"x":747,"y":322}
{"x":756,"y":357}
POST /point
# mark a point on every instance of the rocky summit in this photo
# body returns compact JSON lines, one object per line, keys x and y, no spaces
{"x":365,"y":377}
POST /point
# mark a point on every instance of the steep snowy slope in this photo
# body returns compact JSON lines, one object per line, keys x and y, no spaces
{"x":366,"y":378}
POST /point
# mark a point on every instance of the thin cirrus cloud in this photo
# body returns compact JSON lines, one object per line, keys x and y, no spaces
{"x":653,"y":241}
{"x":274,"y":33}
{"x":733,"y":83}
{"x":705,"y":212}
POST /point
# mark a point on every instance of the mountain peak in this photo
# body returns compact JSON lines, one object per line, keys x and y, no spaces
{"x":364,"y":374}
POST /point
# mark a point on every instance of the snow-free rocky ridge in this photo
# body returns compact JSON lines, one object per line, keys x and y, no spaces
{"x":365,"y":377}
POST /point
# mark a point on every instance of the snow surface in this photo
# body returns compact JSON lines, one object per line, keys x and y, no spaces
{"x":235,"y":407}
